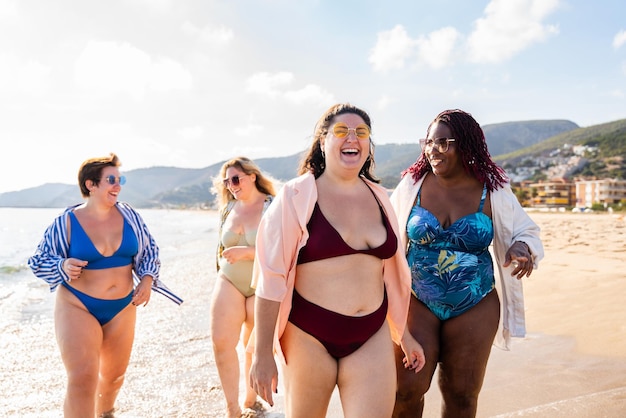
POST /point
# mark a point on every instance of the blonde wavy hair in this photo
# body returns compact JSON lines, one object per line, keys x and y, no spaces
{"x":264,"y":183}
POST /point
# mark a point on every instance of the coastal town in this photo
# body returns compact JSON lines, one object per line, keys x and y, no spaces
{"x":561,"y":188}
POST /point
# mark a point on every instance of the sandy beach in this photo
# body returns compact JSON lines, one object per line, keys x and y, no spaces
{"x":572,"y":363}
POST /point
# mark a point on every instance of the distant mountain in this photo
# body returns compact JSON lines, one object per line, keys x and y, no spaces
{"x":186,"y":188}
{"x":608,"y":160}
{"x":503,"y":138}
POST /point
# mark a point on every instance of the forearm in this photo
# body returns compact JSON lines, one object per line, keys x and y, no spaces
{"x":265,"y":317}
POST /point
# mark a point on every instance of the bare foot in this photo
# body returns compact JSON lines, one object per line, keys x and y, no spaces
{"x":256,"y":411}
{"x":234,"y":413}
{"x":254,"y":404}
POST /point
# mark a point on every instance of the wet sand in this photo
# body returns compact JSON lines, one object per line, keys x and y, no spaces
{"x":571,"y":364}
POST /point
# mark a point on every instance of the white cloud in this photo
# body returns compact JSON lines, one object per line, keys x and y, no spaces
{"x":30,"y":77}
{"x":383,"y":102}
{"x":106,"y":68}
{"x":619,"y":39}
{"x":161,"y":6}
{"x":508,"y":27}
{"x":251,"y":129}
{"x":274,"y":87}
{"x":220,"y":35}
{"x":392,"y":49}
{"x":267,"y":84}
{"x":310,"y":93}
{"x":8,"y":10}
{"x":167,"y":74}
{"x":436,"y":49}
{"x":191,"y":133}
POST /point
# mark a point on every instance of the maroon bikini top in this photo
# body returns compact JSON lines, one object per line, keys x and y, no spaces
{"x":325,"y":242}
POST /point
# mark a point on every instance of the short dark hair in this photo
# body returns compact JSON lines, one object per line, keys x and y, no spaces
{"x":91,"y":169}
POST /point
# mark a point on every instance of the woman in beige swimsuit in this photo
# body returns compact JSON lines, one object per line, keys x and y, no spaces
{"x":243,"y":194}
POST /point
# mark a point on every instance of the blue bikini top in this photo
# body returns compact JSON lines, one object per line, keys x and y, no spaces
{"x":82,"y":248}
{"x":472,"y":233}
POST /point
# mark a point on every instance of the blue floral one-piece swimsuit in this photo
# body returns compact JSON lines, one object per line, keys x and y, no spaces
{"x":451,"y":268}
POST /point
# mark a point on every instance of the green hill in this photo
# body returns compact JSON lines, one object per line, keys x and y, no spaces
{"x":186,"y":188}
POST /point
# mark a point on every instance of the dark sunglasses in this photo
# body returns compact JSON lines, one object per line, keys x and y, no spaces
{"x":234,"y":180}
{"x":112,"y":180}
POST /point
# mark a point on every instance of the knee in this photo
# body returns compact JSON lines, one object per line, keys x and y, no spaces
{"x":223,"y":342}
{"x":116,"y":379}
{"x":82,"y":380}
{"x":459,"y":404}
{"x":411,"y":385}
{"x":410,"y":392}
{"x":409,"y":403}
{"x":459,"y":397}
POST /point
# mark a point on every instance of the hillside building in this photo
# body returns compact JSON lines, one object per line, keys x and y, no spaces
{"x":604,"y":191}
{"x":553,"y":194}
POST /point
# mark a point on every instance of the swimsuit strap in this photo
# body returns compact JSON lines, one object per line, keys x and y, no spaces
{"x":480,"y":207}
{"x":482,"y":198}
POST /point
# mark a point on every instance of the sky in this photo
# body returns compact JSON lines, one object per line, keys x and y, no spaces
{"x":191,"y":83}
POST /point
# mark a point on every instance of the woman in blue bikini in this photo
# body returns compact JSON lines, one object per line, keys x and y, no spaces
{"x":452,"y":204}
{"x":103,"y":261}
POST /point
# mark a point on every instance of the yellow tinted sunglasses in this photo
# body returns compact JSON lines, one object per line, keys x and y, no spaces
{"x":341,"y":131}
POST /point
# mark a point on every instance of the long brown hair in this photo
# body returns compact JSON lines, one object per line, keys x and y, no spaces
{"x":313,"y":161}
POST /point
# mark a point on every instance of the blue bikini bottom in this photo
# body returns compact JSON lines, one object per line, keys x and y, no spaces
{"x":102,"y":309}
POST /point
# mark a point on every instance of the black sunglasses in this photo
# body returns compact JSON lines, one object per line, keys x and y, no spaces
{"x":234,"y":180}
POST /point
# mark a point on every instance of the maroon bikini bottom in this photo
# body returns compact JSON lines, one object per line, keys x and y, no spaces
{"x":342,"y":335}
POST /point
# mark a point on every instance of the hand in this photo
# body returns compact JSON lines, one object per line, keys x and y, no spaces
{"x":519,"y":255}
{"x":73,"y":267}
{"x":264,"y":377}
{"x":143,"y":291}
{"x":414,"y":358}
{"x":237,"y":253}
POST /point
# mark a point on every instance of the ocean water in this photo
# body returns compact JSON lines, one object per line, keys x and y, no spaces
{"x":172,"y":342}
{"x":21,"y":230}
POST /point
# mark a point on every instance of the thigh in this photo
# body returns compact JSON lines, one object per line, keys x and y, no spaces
{"x":466,"y":344}
{"x":310,"y":374}
{"x":426,"y":329}
{"x":78,"y":333}
{"x":367,"y":378}
{"x":249,"y":319}
{"x":117,"y":344}
{"x":228,"y":312}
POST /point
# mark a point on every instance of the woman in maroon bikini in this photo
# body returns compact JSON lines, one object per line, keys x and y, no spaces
{"x":332,"y":282}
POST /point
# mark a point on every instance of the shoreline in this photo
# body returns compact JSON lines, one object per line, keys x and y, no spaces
{"x":572,"y":363}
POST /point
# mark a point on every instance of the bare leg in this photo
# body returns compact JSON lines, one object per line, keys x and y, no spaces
{"x":465,"y":347}
{"x":117,"y":344}
{"x":310,"y":374}
{"x":251,"y":395}
{"x":367,"y":378}
{"x":79,"y":337}
{"x":412,"y":387}
{"x":228,"y":312}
